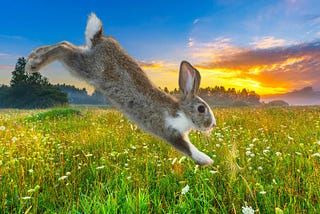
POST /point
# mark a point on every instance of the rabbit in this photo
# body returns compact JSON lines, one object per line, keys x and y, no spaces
{"x":104,"y":64}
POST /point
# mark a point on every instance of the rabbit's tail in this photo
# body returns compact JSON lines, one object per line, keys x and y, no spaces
{"x":94,"y":30}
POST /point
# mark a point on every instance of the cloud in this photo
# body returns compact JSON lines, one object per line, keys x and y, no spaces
{"x":196,"y":21}
{"x":6,"y":67}
{"x":158,"y":66}
{"x":267,"y":42}
{"x":272,"y":69}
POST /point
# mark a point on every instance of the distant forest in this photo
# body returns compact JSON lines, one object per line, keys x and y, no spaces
{"x":35,"y":91}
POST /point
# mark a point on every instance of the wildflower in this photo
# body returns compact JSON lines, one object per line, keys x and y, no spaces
{"x":319,"y":142}
{"x":218,"y":145}
{"x":254,"y":139}
{"x":100,"y":167}
{"x":316,"y":154}
{"x":266,"y":151}
{"x":262,"y":192}
{"x":278,"y":154}
{"x":89,"y":155}
{"x":213,"y":172}
{"x":133,"y":147}
{"x":174,"y":161}
{"x":30,"y":170}
{"x":14,"y":139}
{"x":298,"y":153}
{"x":248,"y":152}
{"x":62,"y":178}
{"x":247,"y":209}
{"x":290,"y":138}
{"x":185,"y":189}
{"x":2,"y":128}
{"x":68,"y":173}
{"x":26,"y":198}
{"x":260,"y":168}
{"x":251,"y":145}
{"x":182,"y":158}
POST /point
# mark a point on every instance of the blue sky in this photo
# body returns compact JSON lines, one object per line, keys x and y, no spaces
{"x":216,"y":36}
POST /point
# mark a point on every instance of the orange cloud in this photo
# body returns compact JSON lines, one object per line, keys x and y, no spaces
{"x":270,"y":70}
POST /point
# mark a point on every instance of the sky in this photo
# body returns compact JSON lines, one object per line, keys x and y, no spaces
{"x":269,"y":46}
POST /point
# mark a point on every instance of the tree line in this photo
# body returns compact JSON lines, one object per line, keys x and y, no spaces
{"x":35,"y":91}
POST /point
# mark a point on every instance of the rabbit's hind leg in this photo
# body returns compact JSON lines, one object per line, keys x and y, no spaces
{"x":45,"y":55}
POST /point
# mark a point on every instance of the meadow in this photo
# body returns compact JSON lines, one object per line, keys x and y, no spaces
{"x":93,"y":160}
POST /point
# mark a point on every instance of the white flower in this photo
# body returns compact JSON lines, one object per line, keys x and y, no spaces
{"x":316,"y":154}
{"x":30,"y":170}
{"x":185,"y":189}
{"x":213,"y":172}
{"x":251,"y":145}
{"x":298,"y":153}
{"x":2,"y":128}
{"x":182,"y":158}
{"x":133,"y":147}
{"x":260,"y":168}
{"x":26,"y":198}
{"x":248,"y":152}
{"x":254,"y":139}
{"x":290,"y":138}
{"x":247,"y":209}
{"x":174,"y":161}
{"x":278,"y":154}
{"x":100,"y":167}
{"x":14,"y":139}
{"x":262,"y":192}
{"x":68,"y":173}
{"x":89,"y":155}
{"x":62,"y":178}
{"x":218,"y":145}
{"x":319,"y":142}
{"x":266,"y":151}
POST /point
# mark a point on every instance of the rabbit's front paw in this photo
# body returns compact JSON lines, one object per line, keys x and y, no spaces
{"x":201,"y":158}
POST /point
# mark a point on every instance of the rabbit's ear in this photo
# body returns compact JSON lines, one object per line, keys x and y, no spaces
{"x":189,"y":79}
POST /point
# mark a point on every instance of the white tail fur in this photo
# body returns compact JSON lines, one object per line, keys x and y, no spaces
{"x":94,"y":25}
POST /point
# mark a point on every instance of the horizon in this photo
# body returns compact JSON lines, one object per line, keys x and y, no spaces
{"x":268,"y":47}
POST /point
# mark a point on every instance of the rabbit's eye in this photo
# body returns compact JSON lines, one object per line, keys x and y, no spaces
{"x":201,"y":109}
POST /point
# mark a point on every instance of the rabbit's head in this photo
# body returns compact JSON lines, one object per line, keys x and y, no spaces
{"x":196,"y":109}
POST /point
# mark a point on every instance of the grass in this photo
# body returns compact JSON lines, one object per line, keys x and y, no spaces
{"x":96,"y":161}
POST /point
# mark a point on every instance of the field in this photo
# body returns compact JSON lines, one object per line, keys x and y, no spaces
{"x":93,"y":160}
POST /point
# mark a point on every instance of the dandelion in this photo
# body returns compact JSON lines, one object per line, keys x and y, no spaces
{"x":185,"y":189}
{"x":2,"y":128}
{"x":247,"y":209}
{"x":62,"y":178}
{"x":100,"y":167}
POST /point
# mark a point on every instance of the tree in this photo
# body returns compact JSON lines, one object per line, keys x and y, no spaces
{"x":18,"y":75}
{"x":30,"y":90}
